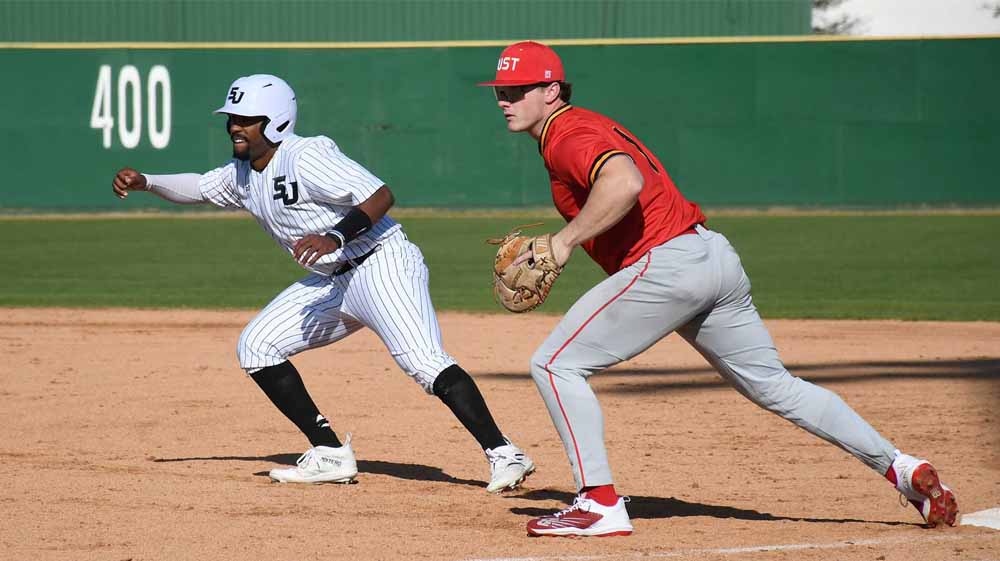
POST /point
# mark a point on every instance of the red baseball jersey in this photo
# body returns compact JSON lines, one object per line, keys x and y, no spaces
{"x":575,"y":144}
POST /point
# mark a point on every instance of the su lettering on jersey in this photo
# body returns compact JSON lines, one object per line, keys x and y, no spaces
{"x":285,"y":190}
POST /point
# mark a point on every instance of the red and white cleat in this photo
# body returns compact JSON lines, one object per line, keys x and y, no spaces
{"x":918,"y":481}
{"x":586,"y":517}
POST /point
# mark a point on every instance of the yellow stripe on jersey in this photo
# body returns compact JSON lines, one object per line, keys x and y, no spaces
{"x":599,"y":163}
{"x":545,"y":127}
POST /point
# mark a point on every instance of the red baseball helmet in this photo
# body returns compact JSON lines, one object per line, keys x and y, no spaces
{"x":527,"y":63}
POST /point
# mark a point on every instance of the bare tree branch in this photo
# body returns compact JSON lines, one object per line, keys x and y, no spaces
{"x":826,"y":4}
{"x":845,"y":24}
{"x":992,"y":7}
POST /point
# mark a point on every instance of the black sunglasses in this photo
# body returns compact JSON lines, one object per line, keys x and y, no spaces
{"x":513,"y":94}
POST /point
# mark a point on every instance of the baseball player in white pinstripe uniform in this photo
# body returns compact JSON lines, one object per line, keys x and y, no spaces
{"x":329,"y":213}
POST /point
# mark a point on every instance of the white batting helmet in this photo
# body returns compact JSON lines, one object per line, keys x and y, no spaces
{"x":263,"y":95}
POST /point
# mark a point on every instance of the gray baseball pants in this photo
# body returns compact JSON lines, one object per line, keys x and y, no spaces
{"x":695,"y":285}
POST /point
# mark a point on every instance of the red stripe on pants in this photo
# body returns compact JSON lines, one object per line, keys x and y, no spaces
{"x":552,"y":382}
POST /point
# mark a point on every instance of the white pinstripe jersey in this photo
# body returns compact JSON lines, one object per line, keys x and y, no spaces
{"x":308,"y":187}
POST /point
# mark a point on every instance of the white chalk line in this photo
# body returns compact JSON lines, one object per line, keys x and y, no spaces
{"x":752,"y":549}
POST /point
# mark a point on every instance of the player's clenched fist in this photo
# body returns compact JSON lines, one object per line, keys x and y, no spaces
{"x":127,"y":179}
{"x":310,"y":248}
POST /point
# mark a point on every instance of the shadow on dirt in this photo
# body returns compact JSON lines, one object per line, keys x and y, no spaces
{"x":650,"y":380}
{"x":414,"y":472}
{"x":642,"y":507}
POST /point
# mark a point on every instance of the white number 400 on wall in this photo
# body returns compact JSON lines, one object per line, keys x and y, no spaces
{"x":129,"y":96}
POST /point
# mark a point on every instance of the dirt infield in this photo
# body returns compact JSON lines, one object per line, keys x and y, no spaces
{"x":134,"y":435}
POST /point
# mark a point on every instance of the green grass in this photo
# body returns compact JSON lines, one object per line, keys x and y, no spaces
{"x":943,"y":267}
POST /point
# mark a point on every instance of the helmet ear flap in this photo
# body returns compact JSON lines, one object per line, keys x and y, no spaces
{"x":267,"y":131}
{"x":279,"y":126}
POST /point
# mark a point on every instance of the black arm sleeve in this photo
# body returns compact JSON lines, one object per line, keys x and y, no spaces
{"x":353,"y":225}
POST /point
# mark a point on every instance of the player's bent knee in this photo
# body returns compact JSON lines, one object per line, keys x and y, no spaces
{"x":424,"y":367}
{"x":545,"y":367}
{"x":257,"y":356}
{"x":539,"y":366}
{"x":253,"y":360}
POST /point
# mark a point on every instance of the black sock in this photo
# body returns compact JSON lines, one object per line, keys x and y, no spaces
{"x":284,"y":387}
{"x":459,"y":392}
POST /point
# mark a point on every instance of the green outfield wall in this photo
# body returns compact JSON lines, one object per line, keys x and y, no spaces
{"x":393,"y":20}
{"x":843,"y":123}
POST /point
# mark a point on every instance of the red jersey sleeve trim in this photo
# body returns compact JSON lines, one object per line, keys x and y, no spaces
{"x":548,"y":122}
{"x":599,"y":163}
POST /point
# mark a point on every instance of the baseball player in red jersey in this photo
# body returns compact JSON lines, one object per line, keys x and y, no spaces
{"x":666,"y":272}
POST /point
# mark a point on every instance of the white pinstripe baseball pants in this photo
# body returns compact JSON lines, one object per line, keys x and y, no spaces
{"x":388,"y":294}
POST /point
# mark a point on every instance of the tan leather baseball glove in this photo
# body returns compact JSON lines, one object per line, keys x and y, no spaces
{"x":523,"y":287}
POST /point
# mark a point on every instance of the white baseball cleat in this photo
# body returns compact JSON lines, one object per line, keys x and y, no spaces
{"x":509,"y":466}
{"x":586,"y":517}
{"x":321,"y":464}
{"x":918,"y":481}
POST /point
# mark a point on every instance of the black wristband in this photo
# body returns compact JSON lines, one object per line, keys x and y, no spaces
{"x":353,"y":225}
